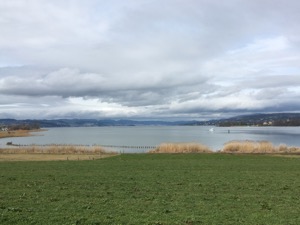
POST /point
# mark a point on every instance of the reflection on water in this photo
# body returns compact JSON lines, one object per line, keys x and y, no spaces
{"x":154,"y":135}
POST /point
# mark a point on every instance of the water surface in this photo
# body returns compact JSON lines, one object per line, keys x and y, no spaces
{"x":155,"y":135}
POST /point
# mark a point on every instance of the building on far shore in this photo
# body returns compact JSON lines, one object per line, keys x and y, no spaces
{"x":4,"y":129}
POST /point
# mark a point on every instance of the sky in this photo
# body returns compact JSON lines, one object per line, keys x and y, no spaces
{"x":148,"y":59}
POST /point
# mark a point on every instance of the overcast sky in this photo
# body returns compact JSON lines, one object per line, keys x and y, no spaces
{"x":161,"y":59}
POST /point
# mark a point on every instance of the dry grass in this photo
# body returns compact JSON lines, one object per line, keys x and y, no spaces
{"x":50,"y":157}
{"x":181,"y":148}
{"x":258,"y":147}
{"x":53,"y":152}
{"x":18,"y":133}
{"x":56,"y":149}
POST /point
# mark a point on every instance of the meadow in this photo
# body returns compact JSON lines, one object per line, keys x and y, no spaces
{"x":153,"y":189}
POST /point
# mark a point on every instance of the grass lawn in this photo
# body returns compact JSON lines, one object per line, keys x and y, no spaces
{"x":153,"y":189}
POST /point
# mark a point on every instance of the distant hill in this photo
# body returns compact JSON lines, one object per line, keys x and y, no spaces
{"x":274,"y":119}
{"x":270,"y":119}
{"x":87,"y":123}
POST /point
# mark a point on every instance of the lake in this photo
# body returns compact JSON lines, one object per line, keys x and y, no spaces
{"x":154,"y":135}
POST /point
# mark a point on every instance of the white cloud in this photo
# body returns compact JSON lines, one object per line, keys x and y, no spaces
{"x":148,"y":58}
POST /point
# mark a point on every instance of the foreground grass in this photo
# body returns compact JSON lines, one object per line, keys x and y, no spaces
{"x":152,"y":189}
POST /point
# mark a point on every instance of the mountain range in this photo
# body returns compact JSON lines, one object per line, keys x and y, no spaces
{"x":273,"y":119}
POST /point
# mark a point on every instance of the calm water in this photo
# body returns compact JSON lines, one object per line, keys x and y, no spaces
{"x":155,"y":135}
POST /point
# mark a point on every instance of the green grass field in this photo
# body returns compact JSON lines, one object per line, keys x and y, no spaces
{"x":153,"y":189}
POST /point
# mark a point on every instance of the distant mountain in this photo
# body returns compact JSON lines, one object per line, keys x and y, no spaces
{"x":271,"y":119}
{"x":274,"y":119}
{"x":87,"y":123}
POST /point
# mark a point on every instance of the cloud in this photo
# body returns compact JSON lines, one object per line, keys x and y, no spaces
{"x":64,"y":82}
{"x":164,"y":59}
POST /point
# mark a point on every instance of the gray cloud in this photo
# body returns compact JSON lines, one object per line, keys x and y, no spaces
{"x":166,"y":59}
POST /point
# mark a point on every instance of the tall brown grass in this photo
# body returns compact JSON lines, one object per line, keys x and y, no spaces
{"x":57,"y":149}
{"x":181,"y":148}
{"x":257,"y":147}
{"x":19,"y":133}
{"x":16,"y":133}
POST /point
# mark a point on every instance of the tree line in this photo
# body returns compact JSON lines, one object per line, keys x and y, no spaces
{"x":23,"y":126}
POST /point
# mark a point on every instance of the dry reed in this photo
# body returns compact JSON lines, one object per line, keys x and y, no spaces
{"x":56,"y":149}
{"x":257,"y":147}
{"x":181,"y":148}
{"x":16,"y":133}
{"x":19,"y":133}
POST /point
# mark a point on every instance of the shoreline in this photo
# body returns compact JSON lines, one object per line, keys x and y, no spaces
{"x":72,"y":153}
{"x":17,"y":157}
{"x":53,"y":153}
{"x":41,"y":157}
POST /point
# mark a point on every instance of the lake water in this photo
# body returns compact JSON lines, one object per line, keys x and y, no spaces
{"x":155,"y":135}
